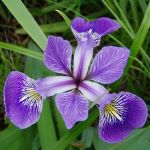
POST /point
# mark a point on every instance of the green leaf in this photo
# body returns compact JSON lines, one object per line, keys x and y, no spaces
{"x":137,"y":43}
{"x":87,"y":137}
{"x":23,"y":16}
{"x":65,"y":17}
{"x":22,"y":50}
{"x":48,"y":28}
{"x":13,"y":138}
{"x":137,"y":141}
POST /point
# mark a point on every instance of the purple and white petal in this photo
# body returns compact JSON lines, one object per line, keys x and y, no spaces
{"x":57,"y":55}
{"x":108,"y":64}
{"x":104,"y":25}
{"x":73,"y":107}
{"x":55,"y":84}
{"x":95,"y":29}
{"x":80,"y":28}
{"x":91,"y":90}
{"x":119,"y":115}
{"x":23,"y":104}
{"x":82,"y":59}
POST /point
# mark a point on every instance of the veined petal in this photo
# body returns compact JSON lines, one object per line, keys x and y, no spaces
{"x":82,"y":59}
{"x":73,"y":107}
{"x":108,"y":64}
{"x":57,"y":55}
{"x":92,"y":91}
{"x":104,"y":25}
{"x":119,"y":115}
{"x":53,"y":85}
{"x":82,"y":29}
{"x":23,"y":104}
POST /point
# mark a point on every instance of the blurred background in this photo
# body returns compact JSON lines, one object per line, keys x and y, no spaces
{"x":24,"y":26}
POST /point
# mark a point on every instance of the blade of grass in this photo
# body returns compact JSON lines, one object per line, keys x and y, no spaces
{"x":65,"y":17}
{"x":117,"y":17}
{"x":48,"y":28}
{"x":23,"y":16}
{"x":137,"y":43}
{"x":22,"y":50}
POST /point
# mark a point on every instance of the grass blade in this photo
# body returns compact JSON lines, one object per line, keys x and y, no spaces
{"x":23,"y":16}
{"x":22,"y":50}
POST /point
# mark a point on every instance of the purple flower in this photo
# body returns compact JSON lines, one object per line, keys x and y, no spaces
{"x":76,"y":87}
{"x":23,"y":96}
{"x":119,"y":115}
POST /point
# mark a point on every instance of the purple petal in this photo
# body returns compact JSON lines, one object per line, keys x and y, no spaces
{"x":91,"y":90}
{"x":80,"y":28}
{"x":52,"y":85}
{"x":58,"y":54}
{"x":73,"y":107}
{"x":83,"y":29}
{"x":108,"y":65}
{"x":80,"y":25}
{"x":120,"y":114}
{"x":104,"y":26}
{"x":23,"y":104}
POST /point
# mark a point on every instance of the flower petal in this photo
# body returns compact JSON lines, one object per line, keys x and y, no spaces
{"x":73,"y":107}
{"x":82,"y":59}
{"x":80,"y":27}
{"x":23,"y":104}
{"x":95,"y":29}
{"x":104,"y":26}
{"x":52,"y":85}
{"x":121,"y":114}
{"x":58,"y":54}
{"x":92,"y":91}
{"x":108,"y":65}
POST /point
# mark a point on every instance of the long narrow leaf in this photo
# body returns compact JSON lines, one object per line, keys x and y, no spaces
{"x":22,"y":50}
{"x":23,"y":16}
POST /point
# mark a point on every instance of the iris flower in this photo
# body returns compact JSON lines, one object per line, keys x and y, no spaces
{"x":79,"y":83}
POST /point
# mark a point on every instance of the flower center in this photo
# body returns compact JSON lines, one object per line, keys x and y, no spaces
{"x":111,"y":111}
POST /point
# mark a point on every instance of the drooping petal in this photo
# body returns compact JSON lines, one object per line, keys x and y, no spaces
{"x":92,"y":91}
{"x":53,"y":85}
{"x":73,"y":107}
{"x":82,"y":59}
{"x":104,"y":25}
{"x":119,"y":115}
{"x":23,"y":104}
{"x":108,"y":64}
{"x":57,"y":55}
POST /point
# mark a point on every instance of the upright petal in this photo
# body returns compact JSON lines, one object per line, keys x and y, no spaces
{"x":92,"y":91}
{"x":73,"y":107}
{"x":53,"y":85}
{"x":95,"y":29}
{"x":108,"y":64}
{"x":57,"y":56}
{"x":119,"y":115}
{"x":23,"y":104}
{"x":82,"y":59}
{"x":80,"y":28}
{"x":104,"y":26}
